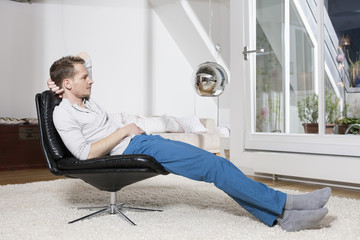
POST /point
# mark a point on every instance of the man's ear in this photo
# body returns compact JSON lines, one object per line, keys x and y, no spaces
{"x":67,"y":83}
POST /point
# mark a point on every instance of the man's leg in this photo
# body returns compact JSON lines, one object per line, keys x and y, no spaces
{"x":179,"y":158}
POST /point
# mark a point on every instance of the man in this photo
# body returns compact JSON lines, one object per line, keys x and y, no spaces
{"x":88,"y":132}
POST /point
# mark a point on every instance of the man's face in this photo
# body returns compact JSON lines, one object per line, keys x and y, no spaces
{"x":81,"y":82}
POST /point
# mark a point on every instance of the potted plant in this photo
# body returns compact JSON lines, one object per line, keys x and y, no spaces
{"x":308,"y":112}
{"x":332,"y":111}
{"x":345,"y":123}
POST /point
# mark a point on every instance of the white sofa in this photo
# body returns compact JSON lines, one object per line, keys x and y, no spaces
{"x":198,"y":132}
{"x":209,"y":141}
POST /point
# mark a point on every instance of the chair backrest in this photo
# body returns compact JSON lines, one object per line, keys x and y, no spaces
{"x":51,"y":143}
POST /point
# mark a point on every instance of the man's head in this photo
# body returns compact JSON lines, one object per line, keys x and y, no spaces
{"x":70,"y":74}
{"x":64,"y":68}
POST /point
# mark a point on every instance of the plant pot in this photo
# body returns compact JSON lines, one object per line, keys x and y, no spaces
{"x":342,"y":129}
{"x":311,"y":127}
{"x":314,"y":128}
{"x":329,"y":128}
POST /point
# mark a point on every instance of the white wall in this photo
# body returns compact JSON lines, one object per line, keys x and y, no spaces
{"x":21,"y":57}
{"x":214,"y":16}
{"x":137,"y":66}
{"x":197,"y":26}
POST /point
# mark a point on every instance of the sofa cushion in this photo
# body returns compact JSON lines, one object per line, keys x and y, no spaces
{"x":191,"y":124}
{"x":206,"y":141}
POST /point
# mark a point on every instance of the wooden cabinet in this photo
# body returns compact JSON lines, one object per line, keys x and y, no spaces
{"x":20,"y":147}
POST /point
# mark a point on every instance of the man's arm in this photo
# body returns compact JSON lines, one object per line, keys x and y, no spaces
{"x":105,"y":145}
{"x":71,"y":133}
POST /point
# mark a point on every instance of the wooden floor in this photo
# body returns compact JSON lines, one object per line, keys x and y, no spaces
{"x":43,"y":174}
{"x":26,"y":176}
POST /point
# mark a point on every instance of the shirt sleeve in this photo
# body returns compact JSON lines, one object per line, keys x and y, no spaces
{"x":88,"y":66}
{"x":70,"y":132}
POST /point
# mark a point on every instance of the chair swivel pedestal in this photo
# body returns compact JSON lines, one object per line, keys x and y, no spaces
{"x":114,"y":208}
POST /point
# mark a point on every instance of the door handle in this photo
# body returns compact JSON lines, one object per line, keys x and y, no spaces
{"x":246,"y":52}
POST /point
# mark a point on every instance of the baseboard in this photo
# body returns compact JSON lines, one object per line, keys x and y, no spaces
{"x":329,"y":183}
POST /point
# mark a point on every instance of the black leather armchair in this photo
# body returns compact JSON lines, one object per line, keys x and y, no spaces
{"x":108,"y":173}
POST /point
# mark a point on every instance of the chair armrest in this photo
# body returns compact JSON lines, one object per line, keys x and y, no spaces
{"x":116,"y":161}
{"x":209,"y":123}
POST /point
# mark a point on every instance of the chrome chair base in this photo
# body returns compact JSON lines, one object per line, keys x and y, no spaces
{"x":113,"y":208}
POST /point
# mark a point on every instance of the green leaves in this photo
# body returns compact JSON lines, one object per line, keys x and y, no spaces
{"x":332,"y":111}
{"x":350,"y":121}
{"x":308,"y":108}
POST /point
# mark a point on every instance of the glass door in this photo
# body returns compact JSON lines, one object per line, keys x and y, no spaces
{"x":342,"y":87}
{"x":285,"y":72}
{"x":295,"y":107}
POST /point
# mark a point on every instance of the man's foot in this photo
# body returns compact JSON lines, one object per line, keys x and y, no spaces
{"x":296,"y":220}
{"x":309,"y":201}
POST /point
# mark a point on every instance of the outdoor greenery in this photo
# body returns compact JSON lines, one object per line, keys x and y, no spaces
{"x":308,"y":108}
{"x":354,"y":69}
{"x":350,"y":121}
{"x":332,"y":110}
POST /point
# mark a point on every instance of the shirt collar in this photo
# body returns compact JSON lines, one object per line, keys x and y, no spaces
{"x":88,"y":107}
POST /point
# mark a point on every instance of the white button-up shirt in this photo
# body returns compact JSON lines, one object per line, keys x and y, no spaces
{"x":79,"y":127}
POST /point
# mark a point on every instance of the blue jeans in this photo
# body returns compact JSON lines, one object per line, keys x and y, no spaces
{"x":189,"y":161}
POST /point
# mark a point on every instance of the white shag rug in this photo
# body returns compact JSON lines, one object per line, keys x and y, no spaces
{"x":192,"y":210}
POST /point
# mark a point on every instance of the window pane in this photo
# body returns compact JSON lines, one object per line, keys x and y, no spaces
{"x":269,"y":66}
{"x":272,"y":77}
{"x":303,"y":96}
{"x":342,"y":44}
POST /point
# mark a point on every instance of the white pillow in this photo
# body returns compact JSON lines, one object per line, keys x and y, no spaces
{"x":148,"y":124}
{"x":191,"y":124}
{"x":172,"y":126}
{"x":127,"y":118}
{"x":152,"y":125}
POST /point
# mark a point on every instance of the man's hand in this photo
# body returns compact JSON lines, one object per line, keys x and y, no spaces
{"x":133,"y":129}
{"x":83,"y":55}
{"x":105,"y":145}
{"x":55,"y":88}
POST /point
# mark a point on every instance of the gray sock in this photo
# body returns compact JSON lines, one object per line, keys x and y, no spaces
{"x":309,"y":201}
{"x":296,"y":220}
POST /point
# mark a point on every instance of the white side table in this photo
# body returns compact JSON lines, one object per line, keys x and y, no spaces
{"x":225,"y":147}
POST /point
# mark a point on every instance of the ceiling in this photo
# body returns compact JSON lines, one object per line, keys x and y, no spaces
{"x":344,"y":14}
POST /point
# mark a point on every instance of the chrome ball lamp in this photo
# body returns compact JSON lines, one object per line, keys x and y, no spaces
{"x":210,"y":79}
